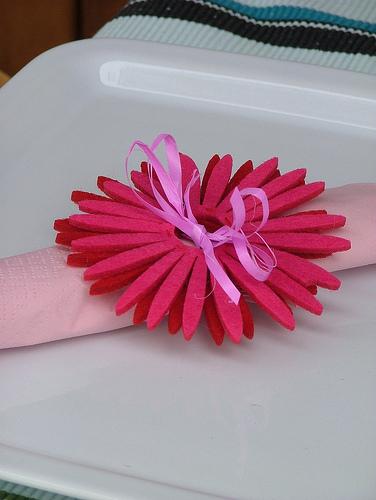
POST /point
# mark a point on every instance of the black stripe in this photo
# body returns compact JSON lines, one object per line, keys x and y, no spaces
{"x":288,"y":36}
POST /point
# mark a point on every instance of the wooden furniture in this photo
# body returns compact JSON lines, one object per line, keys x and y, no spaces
{"x":3,"y":78}
{"x":29,"y":27}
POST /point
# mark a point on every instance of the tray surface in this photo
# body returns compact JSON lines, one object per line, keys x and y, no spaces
{"x":135,"y":414}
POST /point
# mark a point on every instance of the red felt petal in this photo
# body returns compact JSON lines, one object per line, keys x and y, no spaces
{"x":107,"y":285}
{"x":283,"y":284}
{"x":63,"y":225}
{"x":212,"y":319}
{"x":144,"y":167}
{"x":259,"y":292}
{"x":188,"y":169}
{"x":312,"y":289}
{"x":305,"y":272}
{"x":256,"y":178}
{"x":129,"y":259}
{"x":248,"y":325}
{"x":194,"y":298}
{"x":308,"y":212}
{"x":117,"y":209}
{"x":175,"y":315}
{"x":170,"y":288}
{"x":142,"y":308}
{"x":78,"y":196}
{"x":297,"y":223}
{"x":207,"y":174}
{"x":239,"y":175}
{"x":310,"y":243}
{"x":217,"y":182}
{"x":229,"y":313}
{"x":148,"y":281}
{"x":67,"y":237}
{"x":142,"y":182}
{"x":86,"y":259}
{"x":116,"y":242}
{"x":101,"y":179}
{"x":115,"y":224}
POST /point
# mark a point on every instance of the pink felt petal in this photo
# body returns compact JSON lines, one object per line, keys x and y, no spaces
{"x":129,"y":259}
{"x":212,"y":319}
{"x":260,"y":292}
{"x":284,"y":182}
{"x":305,"y":272}
{"x":115,"y":224}
{"x":175,"y":315}
{"x":218,"y":181}
{"x":298,"y":223}
{"x":301,"y":243}
{"x":170,"y":288}
{"x":120,"y":192}
{"x":291,"y":199}
{"x":188,"y":169}
{"x":281,"y":283}
{"x":248,"y":326}
{"x":260,"y":174}
{"x":277,"y":186}
{"x":148,"y":281}
{"x":207,"y":174}
{"x":116,"y":242}
{"x":229,"y":313}
{"x":194,"y":298}
{"x":117,"y":209}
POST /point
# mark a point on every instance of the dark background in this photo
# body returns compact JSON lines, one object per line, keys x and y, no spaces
{"x":29,"y":27}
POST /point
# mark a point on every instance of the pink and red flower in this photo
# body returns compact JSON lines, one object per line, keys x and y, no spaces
{"x":125,"y":246}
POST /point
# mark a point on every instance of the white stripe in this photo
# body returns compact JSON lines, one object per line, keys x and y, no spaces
{"x":359,"y":10}
{"x":191,"y":34}
{"x":282,"y":24}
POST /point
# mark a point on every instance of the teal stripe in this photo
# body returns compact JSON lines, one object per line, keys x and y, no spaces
{"x":192,"y":34}
{"x":293,"y":13}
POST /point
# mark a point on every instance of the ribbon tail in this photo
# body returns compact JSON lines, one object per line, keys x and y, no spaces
{"x":243,"y":249}
{"x":221,"y":277}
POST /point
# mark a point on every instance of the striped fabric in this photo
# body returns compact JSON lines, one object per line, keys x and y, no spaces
{"x":334,"y":33}
{"x":337,"y":33}
{"x":11,"y":491}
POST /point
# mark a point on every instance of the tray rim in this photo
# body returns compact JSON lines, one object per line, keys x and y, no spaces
{"x":15,"y":463}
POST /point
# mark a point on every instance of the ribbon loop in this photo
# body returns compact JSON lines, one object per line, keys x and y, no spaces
{"x":175,"y":208}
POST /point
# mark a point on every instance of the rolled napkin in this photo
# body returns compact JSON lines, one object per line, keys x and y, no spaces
{"x":42,"y":299}
{"x":357,"y":202}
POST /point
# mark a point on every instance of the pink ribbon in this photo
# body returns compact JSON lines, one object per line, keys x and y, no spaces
{"x":178,"y":212}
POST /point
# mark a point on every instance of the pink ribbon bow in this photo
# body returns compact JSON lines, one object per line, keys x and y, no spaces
{"x":177,"y":211}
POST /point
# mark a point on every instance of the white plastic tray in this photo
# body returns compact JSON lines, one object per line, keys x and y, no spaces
{"x":140,"y":415}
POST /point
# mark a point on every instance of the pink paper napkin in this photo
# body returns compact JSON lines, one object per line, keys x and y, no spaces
{"x":357,"y":202}
{"x":42,"y":299}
